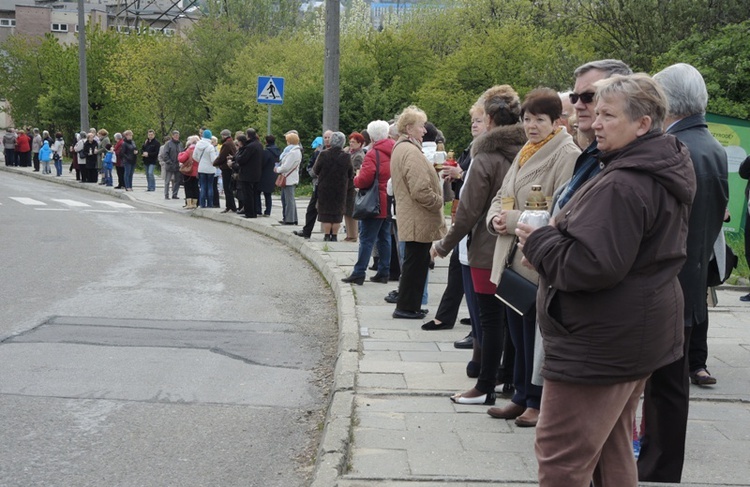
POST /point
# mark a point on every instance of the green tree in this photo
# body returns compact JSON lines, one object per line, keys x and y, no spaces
{"x":723,"y":58}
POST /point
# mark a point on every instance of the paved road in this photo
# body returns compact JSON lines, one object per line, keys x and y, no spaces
{"x":142,"y":347}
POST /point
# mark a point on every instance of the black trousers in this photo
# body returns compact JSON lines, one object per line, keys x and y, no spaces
{"x":698,"y":348}
{"x":36,"y":161}
{"x":192,"y":190}
{"x":447,"y":311}
{"x":258,"y":203}
{"x":311,"y":215}
{"x":665,"y":414}
{"x":413,"y":275}
{"x":226,"y":176}
{"x":120,"y":176}
{"x":492,"y":317}
{"x":248,"y":201}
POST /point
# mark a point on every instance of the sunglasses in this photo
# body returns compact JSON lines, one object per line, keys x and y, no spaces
{"x":586,"y":98}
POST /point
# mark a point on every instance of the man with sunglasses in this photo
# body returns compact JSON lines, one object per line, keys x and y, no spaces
{"x":582,"y":98}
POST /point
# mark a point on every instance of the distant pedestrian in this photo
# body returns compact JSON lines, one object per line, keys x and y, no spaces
{"x":150,"y":154}
{"x":45,"y":156}
{"x":289,"y":164}
{"x":172,"y":174}
{"x":267,"y":184}
{"x":334,"y":170}
{"x":58,"y":149}
{"x":9,"y":146}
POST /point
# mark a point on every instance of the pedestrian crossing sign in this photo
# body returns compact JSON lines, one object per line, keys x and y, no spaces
{"x":270,"y":90}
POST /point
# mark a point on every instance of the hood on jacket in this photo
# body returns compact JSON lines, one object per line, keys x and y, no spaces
{"x":385,"y":146}
{"x":664,"y":157}
{"x":505,"y":139}
{"x":46,"y":144}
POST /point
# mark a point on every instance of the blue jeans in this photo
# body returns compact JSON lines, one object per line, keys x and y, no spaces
{"x":108,"y":176}
{"x":129,"y":170}
{"x":58,"y":166}
{"x":150,"y":180}
{"x":374,"y":231}
{"x":206,"y":182}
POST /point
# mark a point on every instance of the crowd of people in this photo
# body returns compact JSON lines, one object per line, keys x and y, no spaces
{"x":637,"y":191}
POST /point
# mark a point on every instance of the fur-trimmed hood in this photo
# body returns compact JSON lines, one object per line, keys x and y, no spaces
{"x":506,"y":139}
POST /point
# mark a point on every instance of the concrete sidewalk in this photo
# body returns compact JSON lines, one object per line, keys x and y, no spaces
{"x":391,"y":423}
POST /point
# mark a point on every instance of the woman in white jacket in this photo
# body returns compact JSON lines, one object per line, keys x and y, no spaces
{"x":205,"y":153}
{"x":288,"y":166}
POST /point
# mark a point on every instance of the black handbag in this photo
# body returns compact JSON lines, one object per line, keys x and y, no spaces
{"x":367,"y":201}
{"x":514,"y":290}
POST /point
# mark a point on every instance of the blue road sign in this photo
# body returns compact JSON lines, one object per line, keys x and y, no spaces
{"x":270,"y":90}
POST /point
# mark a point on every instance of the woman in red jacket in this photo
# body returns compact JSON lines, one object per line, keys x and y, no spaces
{"x":23,"y":149}
{"x":376,"y":230}
{"x":190,"y":180}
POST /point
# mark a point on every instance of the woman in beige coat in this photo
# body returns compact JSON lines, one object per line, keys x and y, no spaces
{"x":419,"y":210}
{"x":546,"y":159}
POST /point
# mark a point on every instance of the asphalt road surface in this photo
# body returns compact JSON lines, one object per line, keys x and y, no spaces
{"x":147,"y":348}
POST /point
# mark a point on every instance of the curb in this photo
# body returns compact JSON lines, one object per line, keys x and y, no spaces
{"x":333,"y":450}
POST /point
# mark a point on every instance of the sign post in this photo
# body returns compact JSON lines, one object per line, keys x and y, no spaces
{"x":270,"y":92}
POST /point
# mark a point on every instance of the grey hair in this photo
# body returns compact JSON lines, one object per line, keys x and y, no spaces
{"x":610,"y":67}
{"x":685,"y":89}
{"x":393,"y":131}
{"x":225,"y":133}
{"x":338,"y":139}
{"x":642,"y":97}
{"x":118,"y":136}
{"x":378,"y":130}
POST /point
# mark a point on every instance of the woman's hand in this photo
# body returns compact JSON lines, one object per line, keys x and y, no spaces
{"x":500,"y":223}
{"x":451,"y":172}
{"x":434,"y":252}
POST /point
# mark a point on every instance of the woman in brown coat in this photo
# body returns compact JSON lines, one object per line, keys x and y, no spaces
{"x":334,"y":170}
{"x":419,"y":210}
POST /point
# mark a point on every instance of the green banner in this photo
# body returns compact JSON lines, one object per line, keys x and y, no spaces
{"x":734,"y":135}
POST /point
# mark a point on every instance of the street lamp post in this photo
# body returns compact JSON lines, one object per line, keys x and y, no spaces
{"x":82,"y":72}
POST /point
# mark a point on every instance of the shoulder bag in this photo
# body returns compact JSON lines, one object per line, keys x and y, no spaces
{"x":367,"y":201}
{"x":281,"y":178}
{"x":514,"y":290}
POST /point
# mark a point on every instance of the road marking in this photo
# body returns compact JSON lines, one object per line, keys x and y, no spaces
{"x":148,"y":212}
{"x":52,"y":209}
{"x":115,"y":204}
{"x":28,"y":201}
{"x":100,"y":211}
{"x":73,"y":203}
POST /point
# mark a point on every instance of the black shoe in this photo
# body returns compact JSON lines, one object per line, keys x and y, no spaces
{"x":300,"y":233}
{"x":327,"y":237}
{"x":745,"y":298}
{"x":408,"y":315}
{"x":374,"y":265}
{"x":391,"y":299}
{"x":175,"y":197}
{"x":379,"y":278}
{"x":465,"y":321}
{"x":464,"y":343}
{"x":431,"y":326}
{"x":354,"y":280}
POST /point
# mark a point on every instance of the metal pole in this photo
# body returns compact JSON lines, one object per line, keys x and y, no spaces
{"x":268,"y":126}
{"x":82,"y":71}
{"x":331,"y":69}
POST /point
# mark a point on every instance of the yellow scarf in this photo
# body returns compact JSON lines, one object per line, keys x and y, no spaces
{"x":529,"y":149}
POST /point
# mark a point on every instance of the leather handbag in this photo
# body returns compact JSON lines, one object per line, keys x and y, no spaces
{"x":281,"y":178}
{"x":367,"y":201}
{"x":187,"y":167}
{"x":514,"y":290}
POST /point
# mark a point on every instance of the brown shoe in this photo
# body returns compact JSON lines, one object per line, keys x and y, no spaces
{"x":528,"y":419}
{"x":511,"y":411}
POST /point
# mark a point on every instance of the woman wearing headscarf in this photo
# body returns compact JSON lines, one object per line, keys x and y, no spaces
{"x":334,"y":170}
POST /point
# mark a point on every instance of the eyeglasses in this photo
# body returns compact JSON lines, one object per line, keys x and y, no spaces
{"x":586,"y":98}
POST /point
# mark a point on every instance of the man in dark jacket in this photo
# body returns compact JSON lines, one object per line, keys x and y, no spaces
{"x":251,"y":167}
{"x":150,"y":153}
{"x":665,"y":405}
{"x":172,"y":165}
{"x":268,"y":177}
{"x":228,"y":150}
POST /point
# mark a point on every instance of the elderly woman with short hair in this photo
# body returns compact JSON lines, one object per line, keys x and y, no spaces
{"x":334,"y":170}
{"x":375,"y":231}
{"x":419,"y":210}
{"x":289,"y":162}
{"x":610,"y":304}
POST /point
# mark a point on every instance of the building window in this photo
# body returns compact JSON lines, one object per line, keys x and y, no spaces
{"x":59,"y":27}
{"x":7,"y":22}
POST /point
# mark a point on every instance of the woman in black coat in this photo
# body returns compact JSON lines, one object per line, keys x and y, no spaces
{"x":334,"y":170}
{"x":268,"y":176}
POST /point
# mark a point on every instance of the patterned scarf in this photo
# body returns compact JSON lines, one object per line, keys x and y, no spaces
{"x":530,"y":148}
